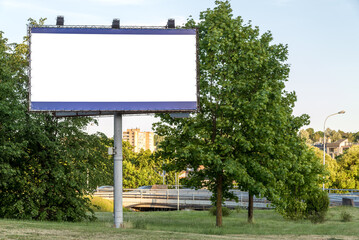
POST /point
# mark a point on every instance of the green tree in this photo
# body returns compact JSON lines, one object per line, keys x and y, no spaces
{"x":305,"y":135}
{"x":318,"y":136}
{"x":331,"y":167}
{"x":310,"y":131}
{"x":356,"y":137}
{"x":245,"y":132}
{"x":300,"y":181}
{"x":328,"y":134}
{"x":140,"y":169}
{"x":44,"y":161}
{"x":100,"y":171}
{"x":157,"y":140}
{"x":348,"y":175}
{"x":349,"y":136}
{"x":336,"y":136}
{"x":332,"y":135}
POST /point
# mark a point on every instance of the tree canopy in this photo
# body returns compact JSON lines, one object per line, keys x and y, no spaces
{"x":245,"y":133}
{"x":348,"y":174}
{"x":44,"y":161}
{"x":312,"y":136}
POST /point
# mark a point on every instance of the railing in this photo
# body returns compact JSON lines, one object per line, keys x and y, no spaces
{"x":344,"y":191}
{"x":179,"y":198}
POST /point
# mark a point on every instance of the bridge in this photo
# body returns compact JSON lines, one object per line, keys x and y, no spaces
{"x":172,"y":199}
{"x":178,"y":199}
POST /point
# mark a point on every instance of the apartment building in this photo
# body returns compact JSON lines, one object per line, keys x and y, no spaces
{"x":139,"y":140}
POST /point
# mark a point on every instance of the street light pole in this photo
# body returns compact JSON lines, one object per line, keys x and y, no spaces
{"x":341,"y":112}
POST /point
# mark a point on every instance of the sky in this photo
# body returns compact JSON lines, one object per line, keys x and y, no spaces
{"x":322,"y":38}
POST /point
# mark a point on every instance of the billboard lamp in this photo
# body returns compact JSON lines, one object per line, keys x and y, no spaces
{"x":171,"y":23}
{"x":116,"y":23}
{"x":60,"y":21}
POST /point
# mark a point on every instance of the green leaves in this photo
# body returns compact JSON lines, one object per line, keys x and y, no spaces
{"x":245,"y":133}
{"x":43,"y":160}
{"x":348,"y":169}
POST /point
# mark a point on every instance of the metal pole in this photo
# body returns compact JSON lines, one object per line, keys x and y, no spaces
{"x":341,"y":112}
{"x":324,"y":147}
{"x":163,"y":177}
{"x":177,"y":182}
{"x":117,"y":171}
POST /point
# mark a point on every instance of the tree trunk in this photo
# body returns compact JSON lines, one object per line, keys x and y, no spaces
{"x":250,"y":208}
{"x":219,"y":201}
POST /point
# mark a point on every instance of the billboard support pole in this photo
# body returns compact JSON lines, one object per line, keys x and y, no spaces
{"x":117,"y":171}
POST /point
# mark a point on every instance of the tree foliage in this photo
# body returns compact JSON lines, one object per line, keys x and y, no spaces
{"x":312,"y":136}
{"x":140,"y":169}
{"x":300,"y":183}
{"x":317,"y":207}
{"x":44,"y":161}
{"x":245,"y":132}
{"x":331,"y":166}
{"x":348,"y":174}
{"x":305,"y":135}
{"x":343,"y":171}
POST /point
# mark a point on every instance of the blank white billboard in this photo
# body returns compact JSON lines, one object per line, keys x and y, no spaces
{"x":102,"y":69}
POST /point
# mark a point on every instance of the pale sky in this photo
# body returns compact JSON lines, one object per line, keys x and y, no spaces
{"x":322,"y":35}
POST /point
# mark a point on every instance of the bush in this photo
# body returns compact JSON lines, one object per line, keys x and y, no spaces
{"x":346,"y":216}
{"x":100,"y":204}
{"x":293,"y":209}
{"x":225,"y":211}
{"x":317,"y":207}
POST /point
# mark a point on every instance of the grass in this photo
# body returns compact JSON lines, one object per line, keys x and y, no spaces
{"x":187,"y":225}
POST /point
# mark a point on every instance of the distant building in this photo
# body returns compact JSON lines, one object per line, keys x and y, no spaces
{"x":336,"y":148}
{"x":139,"y":140}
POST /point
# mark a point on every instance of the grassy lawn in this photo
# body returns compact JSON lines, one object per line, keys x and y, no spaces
{"x":187,"y":225}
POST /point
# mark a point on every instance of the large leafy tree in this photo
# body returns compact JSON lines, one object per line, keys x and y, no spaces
{"x":44,"y":161}
{"x":348,"y":175}
{"x":244,"y":133}
{"x":140,"y":169}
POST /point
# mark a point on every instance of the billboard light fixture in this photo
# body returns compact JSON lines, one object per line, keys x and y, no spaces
{"x":116,"y":23}
{"x":171,"y":23}
{"x":60,"y":21}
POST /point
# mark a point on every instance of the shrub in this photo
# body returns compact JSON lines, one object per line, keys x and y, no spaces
{"x":317,"y":207}
{"x":100,"y":204}
{"x":225,"y":211}
{"x":292,"y":210}
{"x":346,"y":216}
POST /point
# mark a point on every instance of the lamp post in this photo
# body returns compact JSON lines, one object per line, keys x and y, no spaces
{"x":341,"y":112}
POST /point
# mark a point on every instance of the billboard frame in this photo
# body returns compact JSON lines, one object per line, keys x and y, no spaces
{"x":91,"y":112}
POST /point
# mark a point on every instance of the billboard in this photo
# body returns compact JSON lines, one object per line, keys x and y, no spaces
{"x":104,"y":70}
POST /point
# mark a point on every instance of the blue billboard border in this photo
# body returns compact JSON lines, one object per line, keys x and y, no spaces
{"x":114,"y":106}
{"x":134,"y":31}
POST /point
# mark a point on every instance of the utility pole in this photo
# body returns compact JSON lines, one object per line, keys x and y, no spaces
{"x":117,"y":171}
